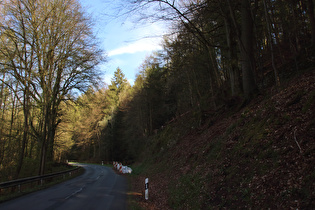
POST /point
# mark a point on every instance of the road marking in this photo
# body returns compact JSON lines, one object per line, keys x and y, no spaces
{"x":76,"y":192}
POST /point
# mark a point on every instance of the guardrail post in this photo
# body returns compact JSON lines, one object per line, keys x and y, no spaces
{"x":102,"y":163}
{"x":19,"y":187}
{"x":41,"y":182}
{"x":146,"y":187}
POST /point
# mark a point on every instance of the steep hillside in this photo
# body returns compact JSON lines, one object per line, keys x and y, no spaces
{"x":260,"y":156}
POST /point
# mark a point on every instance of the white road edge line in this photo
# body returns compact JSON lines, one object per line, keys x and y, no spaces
{"x":76,"y":192}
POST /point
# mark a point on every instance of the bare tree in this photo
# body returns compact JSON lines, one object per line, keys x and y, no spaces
{"x":182,"y":13}
{"x":49,"y":48}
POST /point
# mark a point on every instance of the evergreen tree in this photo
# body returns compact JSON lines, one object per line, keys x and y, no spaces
{"x":118,"y":84}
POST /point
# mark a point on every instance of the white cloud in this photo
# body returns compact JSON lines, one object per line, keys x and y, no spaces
{"x":107,"y":78}
{"x":131,"y":81}
{"x":142,"y":45}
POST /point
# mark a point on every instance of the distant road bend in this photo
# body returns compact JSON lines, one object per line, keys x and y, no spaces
{"x":98,"y":188}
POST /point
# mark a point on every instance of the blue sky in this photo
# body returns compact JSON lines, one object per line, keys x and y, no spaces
{"x":125,"y":42}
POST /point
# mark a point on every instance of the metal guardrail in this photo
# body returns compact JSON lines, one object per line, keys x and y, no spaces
{"x":40,"y":179}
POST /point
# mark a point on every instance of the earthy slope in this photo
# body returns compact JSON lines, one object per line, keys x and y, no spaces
{"x":261,"y":156}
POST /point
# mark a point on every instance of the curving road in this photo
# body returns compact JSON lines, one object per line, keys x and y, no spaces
{"x":98,"y":188}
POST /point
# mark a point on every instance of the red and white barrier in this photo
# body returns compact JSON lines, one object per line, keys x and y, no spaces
{"x":122,"y":169}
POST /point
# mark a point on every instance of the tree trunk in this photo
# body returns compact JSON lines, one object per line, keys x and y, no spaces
{"x":26,"y":98}
{"x":42,"y":159}
{"x":2,"y":107}
{"x":310,"y":5}
{"x":44,"y":141}
{"x":232,"y":58}
{"x":25,"y":132}
{"x":247,"y":58}
{"x":51,"y":137}
{"x":277,"y":79}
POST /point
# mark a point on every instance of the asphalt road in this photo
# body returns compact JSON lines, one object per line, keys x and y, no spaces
{"x":98,"y":188}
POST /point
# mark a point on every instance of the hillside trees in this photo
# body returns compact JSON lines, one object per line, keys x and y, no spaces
{"x":252,"y":29}
{"x":188,"y":16}
{"x":153,"y":94}
{"x":141,"y":114}
{"x":82,"y":123}
{"x":218,"y":55}
{"x":47,"y":51}
{"x":118,"y":96}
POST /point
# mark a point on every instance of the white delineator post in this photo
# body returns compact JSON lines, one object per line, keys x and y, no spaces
{"x":146,"y":187}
